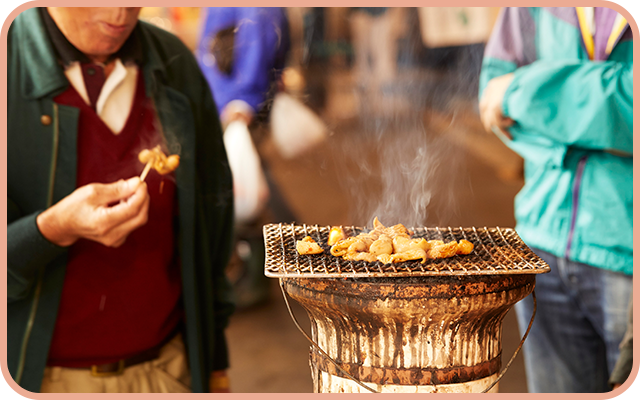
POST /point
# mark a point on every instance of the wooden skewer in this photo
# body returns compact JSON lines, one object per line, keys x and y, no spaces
{"x":146,"y":169}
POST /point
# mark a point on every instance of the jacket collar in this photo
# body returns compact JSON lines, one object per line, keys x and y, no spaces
{"x":42,"y":73}
{"x":153,"y":64}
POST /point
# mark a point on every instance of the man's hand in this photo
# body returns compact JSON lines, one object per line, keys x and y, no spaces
{"x":105,"y":213}
{"x":491,"y":105}
{"x":219,"y":382}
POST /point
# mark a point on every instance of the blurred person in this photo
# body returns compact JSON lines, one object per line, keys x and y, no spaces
{"x":374,"y":33}
{"x":242,"y":52}
{"x":375,"y":47}
{"x":556,"y":86}
{"x":114,"y":284}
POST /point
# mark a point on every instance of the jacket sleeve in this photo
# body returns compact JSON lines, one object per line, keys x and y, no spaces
{"x":557,"y":104}
{"x":510,"y":48}
{"x":27,"y":252}
{"x":583,"y":104}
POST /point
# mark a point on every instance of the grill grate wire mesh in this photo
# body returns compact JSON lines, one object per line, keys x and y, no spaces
{"x":496,"y":251}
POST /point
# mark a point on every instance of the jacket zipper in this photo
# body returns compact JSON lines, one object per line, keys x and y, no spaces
{"x":576,"y":199}
{"x":38,"y":289}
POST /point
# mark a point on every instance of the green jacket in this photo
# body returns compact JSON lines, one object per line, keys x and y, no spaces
{"x":574,"y":129}
{"x":42,"y":170}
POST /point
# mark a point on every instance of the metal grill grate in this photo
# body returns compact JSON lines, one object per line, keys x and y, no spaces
{"x":496,"y":251}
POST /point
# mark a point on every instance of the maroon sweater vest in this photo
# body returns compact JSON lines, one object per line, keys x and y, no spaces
{"x":117,"y":302}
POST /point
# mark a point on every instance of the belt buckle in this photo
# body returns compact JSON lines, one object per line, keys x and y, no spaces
{"x":100,"y":374}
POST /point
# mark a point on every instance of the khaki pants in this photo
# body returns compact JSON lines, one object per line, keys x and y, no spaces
{"x":167,"y":374}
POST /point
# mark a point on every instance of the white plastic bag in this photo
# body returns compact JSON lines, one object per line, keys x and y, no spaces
{"x":294,"y":126}
{"x":250,"y":188}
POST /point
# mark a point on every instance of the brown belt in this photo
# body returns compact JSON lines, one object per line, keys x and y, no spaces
{"x":117,"y":368}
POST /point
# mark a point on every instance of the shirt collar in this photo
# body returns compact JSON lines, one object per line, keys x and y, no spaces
{"x":67,"y":53}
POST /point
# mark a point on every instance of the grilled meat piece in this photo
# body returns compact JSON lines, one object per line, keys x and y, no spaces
{"x":308,"y":246}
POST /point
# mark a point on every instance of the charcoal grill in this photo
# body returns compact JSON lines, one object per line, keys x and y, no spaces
{"x":405,"y":327}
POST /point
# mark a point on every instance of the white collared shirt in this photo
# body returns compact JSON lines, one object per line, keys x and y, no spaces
{"x":116,"y":96}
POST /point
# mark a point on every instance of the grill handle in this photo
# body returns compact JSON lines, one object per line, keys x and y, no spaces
{"x":314,"y":344}
{"x":524,"y":337}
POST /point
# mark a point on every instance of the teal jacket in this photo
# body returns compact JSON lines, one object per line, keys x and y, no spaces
{"x":42,"y":170}
{"x":574,"y":129}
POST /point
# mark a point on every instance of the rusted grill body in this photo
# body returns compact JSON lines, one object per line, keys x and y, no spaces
{"x":422,"y":334}
{"x":496,"y":251}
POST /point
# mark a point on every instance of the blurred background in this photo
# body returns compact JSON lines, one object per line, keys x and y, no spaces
{"x":380,"y":118}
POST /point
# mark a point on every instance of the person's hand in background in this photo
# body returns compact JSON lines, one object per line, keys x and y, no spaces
{"x":491,"y":105}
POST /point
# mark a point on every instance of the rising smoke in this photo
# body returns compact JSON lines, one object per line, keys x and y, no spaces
{"x":403,"y":162}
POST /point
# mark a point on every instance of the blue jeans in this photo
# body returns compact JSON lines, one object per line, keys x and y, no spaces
{"x":580,"y":321}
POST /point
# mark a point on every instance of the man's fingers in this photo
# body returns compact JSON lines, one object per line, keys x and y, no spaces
{"x":118,"y":243}
{"x":120,"y":219}
{"x":137,"y":217}
{"x":86,"y":213}
{"x":129,"y":206}
{"x":118,"y":235}
{"x":120,"y":232}
{"x":104,"y":194}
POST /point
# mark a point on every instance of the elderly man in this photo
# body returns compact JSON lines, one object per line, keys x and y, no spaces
{"x":109,"y":277}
